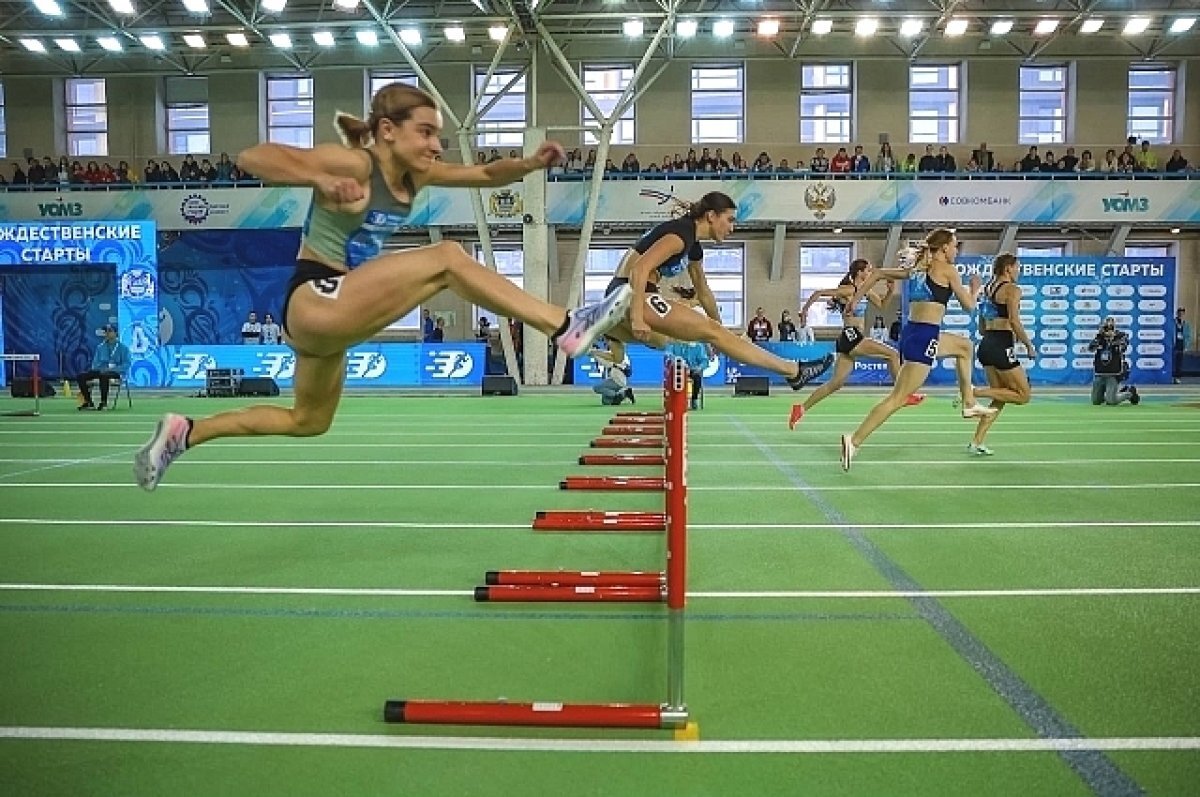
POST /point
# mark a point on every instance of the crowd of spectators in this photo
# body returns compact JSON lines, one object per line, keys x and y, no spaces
{"x":66,"y":172}
{"x":1131,"y":159}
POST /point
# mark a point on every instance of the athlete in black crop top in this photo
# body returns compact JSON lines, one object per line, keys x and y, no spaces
{"x":666,"y":251}
{"x":338,"y":308}
{"x":1000,"y":323}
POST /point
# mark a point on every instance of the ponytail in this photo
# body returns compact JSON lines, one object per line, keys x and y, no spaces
{"x":353,"y":131}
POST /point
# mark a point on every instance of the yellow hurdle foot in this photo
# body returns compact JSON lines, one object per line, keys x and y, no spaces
{"x":688,"y":733}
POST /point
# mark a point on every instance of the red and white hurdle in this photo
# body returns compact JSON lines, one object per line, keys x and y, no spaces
{"x":667,"y":586}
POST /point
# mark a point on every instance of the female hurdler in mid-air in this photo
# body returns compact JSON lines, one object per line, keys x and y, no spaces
{"x":666,"y":251}
{"x":853,"y":342}
{"x":929,"y":285}
{"x":345,"y":289}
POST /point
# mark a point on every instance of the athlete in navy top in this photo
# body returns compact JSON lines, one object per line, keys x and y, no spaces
{"x":1000,"y":323}
{"x":930,"y":284}
{"x":667,"y":250}
{"x":346,"y":289}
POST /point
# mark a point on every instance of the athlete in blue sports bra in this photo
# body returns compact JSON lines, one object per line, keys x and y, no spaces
{"x":853,"y":342}
{"x":930,"y":284}
{"x":667,"y":250}
{"x":1000,"y":323}
{"x":346,"y":289}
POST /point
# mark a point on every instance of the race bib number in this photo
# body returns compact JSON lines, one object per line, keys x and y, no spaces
{"x":1011,"y":354}
{"x":932,"y":349}
{"x":658,"y":304}
{"x":852,"y":334}
{"x":328,"y":287}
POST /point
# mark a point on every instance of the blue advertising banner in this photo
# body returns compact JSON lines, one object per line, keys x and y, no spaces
{"x":1063,"y":302}
{"x":647,"y":364}
{"x":448,"y":365}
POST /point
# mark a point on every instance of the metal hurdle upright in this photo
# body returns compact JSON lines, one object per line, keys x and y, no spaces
{"x":669,"y":586}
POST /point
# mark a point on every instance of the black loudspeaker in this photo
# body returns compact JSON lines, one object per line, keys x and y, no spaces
{"x":257,"y":386}
{"x":752,"y":386}
{"x":22,"y":387}
{"x":499,"y":386}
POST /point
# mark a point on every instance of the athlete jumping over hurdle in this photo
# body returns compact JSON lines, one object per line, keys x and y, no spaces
{"x":345,"y":290}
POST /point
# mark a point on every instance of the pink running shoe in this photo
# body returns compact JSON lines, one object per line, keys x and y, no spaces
{"x":797,"y":414}
{"x":588,"y":323}
{"x":164,"y":447}
{"x":914,"y":399}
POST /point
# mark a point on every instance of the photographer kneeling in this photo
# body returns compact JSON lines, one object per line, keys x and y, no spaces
{"x":1110,"y":345}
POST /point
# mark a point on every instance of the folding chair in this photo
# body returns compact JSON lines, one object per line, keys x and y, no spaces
{"x":116,"y":385}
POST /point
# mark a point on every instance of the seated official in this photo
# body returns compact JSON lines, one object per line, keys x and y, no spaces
{"x":111,"y":361}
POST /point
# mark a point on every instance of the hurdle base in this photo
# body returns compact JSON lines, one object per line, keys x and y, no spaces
{"x":627,"y":442}
{"x":542,"y":714}
{"x":653,"y":484}
{"x":639,"y":430}
{"x":623,"y":459}
{"x":567,"y":593}
{"x":595,"y":578}
{"x":593,"y":520}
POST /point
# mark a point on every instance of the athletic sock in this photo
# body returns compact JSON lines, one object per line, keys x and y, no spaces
{"x":187,"y":438}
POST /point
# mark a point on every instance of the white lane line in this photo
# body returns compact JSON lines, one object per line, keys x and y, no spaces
{"x":556,"y":488}
{"x":500,"y":744}
{"x":118,"y":523}
{"x":99,"y":458}
{"x":374,"y":592}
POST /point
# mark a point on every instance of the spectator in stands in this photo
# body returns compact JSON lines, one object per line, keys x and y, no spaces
{"x":667,"y":166}
{"x":152,"y":174}
{"x":271,"y":332}
{"x":896,"y":327}
{"x":1146,"y":160}
{"x":610,"y":168}
{"x":589,"y":162}
{"x":92,"y":175}
{"x":574,"y":161}
{"x":1086,"y":165}
{"x":860,"y":163}
{"x":983,"y":157}
{"x":19,"y":177}
{"x":738,"y":164}
{"x":251,"y":330}
{"x":759,"y":329}
{"x":972,"y":166}
{"x":427,"y":326}
{"x":111,"y":361}
{"x":910,"y":164}
{"x":169,"y":175}
{"x":945,"y":161}
{"x":481,"y":158}
{"x":783,"y":167}
{"x":928,"y":162}
{"x":494,"y":155}
{"x":439,"y":330}
{"x":224,"y":168}
{"x":78,"y":173}
{"x":1049,"y":163}
{"x":483,"y":332}
{"x":60,"y":174}
{"x":124,"y":176}
{"x":818,"y":163}
{"x":704,"y":162}
{"x":208,"y":174}
{"x":841,"y":162}
{"x":1126,"y":162}
{"x":108,"y":175}
{"x":1032,"y":162}
{"x":885,"y":162}
{"x":1109,"y":164}
{"x":35,"y":173}
{"x":189,"y":170}
{"x":678,"y":164}
{"x":879,"y":332}
{"x":719,"y":161}
{"x":1176,"y":163}
{"x":787,"y":330}
{"x":630,"y":165}
{"x":804,"y":332}
{"x":1069,"y":162}
{"x":762,"y":163}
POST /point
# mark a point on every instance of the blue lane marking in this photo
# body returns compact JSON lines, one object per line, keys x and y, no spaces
{"x":1097,"y":770}
{"x":444,"y":614}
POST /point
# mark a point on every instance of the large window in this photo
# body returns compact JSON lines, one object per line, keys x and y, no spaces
{"x":826,"y":104}
{"x":290,"y":110}
{"x":600,"y":267}
{"x":87,"y":117}
{"x":3,"y":128}
{"x":1043,"y":105}
{"x":510,"y":264}
{"x":186,"y":101}
{"x":378,"y":78}
{"x":507,"y":113}
{"x":822,"y":266}
{"x":934,"y":100}
{"x":605,"y":85}
{"x":1152,"y":103}
{"x":718,"y":104}
{"x":1149,"y":250}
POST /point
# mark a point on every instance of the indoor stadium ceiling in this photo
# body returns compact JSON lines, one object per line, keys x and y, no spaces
{"x":106,"y":37}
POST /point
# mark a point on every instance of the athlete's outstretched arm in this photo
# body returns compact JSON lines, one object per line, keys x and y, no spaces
{"x":1013,"y":302}
{"x":965,"y":297}
{"x":337,"y":172}
{"x":823,"y":293}
{"x":496,"y":173}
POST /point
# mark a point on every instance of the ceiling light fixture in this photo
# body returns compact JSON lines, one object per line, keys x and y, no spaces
{"x":281,"y":40}
{"x":323,"y":38}
{"x":956,"y":26}
{"x":497,"y":33}
{"x":367,"y":37}
{"x":272,"y":6}
{"x":50,"y":8}
{"x":67,"y":45}
{"x":633,"y":28}
{"x":912,"y":27}
{"x":1001,"y":27}
{"x":1091,"y":25}
{"x":110,"y":43}
{"x":195,"y":41}
{"x":152,"y":41}
{"x":122,"y":6}
{"x":768,"y":27}
{"x":821,"y":27}
{"x":1136,"y":25}
{"x":1045,"y":27}
{"x":33,"y":45}
{"x":196,"y":6}
{"x":686,"y":28}
{"x":1183,"y":24}
{"x":723,"y":28}
{"x":345,"y":5}
{"x":237,"y":39}
{"x":455,"y":33}
{"x":866,"y":26}
{"x":410,"y":36}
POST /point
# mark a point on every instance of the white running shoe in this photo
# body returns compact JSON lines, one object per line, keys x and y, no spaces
{"x":164,"y":446}
{"x":978,"y":411}
{"x":588,"y":323}
{"x":979,"y":451}
{"x":848,"y":452}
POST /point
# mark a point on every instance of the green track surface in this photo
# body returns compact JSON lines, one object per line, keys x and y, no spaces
{"x":426,"y":494}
